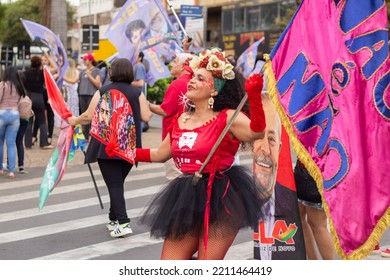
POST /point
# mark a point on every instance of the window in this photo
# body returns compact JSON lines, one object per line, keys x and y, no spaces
{"x":227,"y":23}
{"x":252,"y":18}
{"x":239,"y":20}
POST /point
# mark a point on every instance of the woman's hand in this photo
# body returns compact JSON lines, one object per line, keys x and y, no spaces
{"x":72,"y":120}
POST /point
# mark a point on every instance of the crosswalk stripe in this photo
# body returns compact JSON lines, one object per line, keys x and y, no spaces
{"x":111,"y":247}
{"x":76,"y":204}
{"x":75,"y":187}
{"x":71,"y":175}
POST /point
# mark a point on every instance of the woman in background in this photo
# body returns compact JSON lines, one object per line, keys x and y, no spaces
{"x":35,"y":83}
{"x":72,"y":97}
{"x":11,"y":90}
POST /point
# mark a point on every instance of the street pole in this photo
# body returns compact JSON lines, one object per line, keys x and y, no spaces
{"x":90,"y":38}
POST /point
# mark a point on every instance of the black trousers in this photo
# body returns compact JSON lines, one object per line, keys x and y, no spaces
{"x":38,"y":106}
{"x":19,"y":141}
{"x":114,"y":173}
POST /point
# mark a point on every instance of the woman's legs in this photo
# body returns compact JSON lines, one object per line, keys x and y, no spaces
{"x":179,"y":249}
{"x":184,"y":248}
{"x":318,"y":223}
{"x":50,"y":121}
{"x":114,"y":173}
{"x":40,"y":118}
{"x":218,"y":244}
{"x":19,"y":142}
{"x":9,"y":125}
{"x":310,"y":244}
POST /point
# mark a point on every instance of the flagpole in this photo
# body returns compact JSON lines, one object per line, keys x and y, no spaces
{"x":178,"y":20}
{"x":94,"y":183}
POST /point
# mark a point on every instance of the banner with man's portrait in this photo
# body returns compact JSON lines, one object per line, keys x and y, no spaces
{"x":279,"y":235}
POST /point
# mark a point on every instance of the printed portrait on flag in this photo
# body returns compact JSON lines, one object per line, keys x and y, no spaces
{"x":332,"y":91}
{"x":144,"y":24}
{"x":279,"y":235}
{"x":246,"y":63}
{"x":42,"y":34}
{"x":113,"y":124}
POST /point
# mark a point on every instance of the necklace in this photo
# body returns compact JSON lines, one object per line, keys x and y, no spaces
{"x":186,"y":117}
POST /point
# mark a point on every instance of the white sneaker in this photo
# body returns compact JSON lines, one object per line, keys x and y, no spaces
{"x":121,"y":230}
{"x":111,"y":225}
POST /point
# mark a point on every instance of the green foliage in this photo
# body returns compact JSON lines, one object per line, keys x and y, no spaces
{"x":156,"y":93}
{"x":11,"y":28}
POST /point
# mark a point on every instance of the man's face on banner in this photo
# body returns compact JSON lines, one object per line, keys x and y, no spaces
{"x":266,"y":151}
{"x":105,"y":112}
{"x":157,"y":21}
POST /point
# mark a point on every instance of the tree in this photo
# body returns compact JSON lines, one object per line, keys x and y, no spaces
{"x":11,"y":28}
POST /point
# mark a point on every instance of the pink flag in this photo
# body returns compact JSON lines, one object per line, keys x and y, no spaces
{"x":329,"y":77}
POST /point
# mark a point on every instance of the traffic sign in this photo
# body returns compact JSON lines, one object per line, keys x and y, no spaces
{"x":191,"y":11}
{"x":90,"y":37}
{"x":23,"y":49}
{"x":6,"y":56}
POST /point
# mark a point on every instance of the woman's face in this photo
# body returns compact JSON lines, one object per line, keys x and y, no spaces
{"x":201,"y":85}
{"x":136,"y":36}
{"x":44,"y":60}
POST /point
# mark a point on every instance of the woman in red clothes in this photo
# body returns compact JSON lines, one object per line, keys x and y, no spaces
{"x":206,"y":216}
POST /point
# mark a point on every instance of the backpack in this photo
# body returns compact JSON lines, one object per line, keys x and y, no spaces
{"x":25,"y":107}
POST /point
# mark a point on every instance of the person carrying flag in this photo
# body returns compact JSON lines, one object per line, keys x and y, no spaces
{"x":115,"y":169}
{"x":205,"y":216}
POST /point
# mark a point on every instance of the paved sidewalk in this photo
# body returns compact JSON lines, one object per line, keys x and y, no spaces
{"x":37,"y":157}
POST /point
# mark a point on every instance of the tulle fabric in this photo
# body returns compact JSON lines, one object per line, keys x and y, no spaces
{"x":178,"y":209}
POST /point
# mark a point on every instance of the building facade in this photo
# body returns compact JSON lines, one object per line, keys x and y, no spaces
{"x":229,"y":24}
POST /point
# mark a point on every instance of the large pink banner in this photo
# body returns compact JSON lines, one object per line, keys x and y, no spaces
{"x":329,"y":80}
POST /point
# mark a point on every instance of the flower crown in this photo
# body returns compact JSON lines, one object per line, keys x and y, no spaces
{"x":215,"y":61}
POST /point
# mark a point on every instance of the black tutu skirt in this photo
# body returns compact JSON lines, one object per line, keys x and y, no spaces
{"x":179,"y":208}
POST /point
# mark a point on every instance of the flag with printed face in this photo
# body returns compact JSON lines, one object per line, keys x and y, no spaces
{"x":329,"y":77}
{"x":47,"y":37}
{"x":70,"y":139}
{"x":139,"y":25}
{"x":247,"y":61}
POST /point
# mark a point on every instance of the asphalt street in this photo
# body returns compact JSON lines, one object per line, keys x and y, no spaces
{"x":71,"y":226}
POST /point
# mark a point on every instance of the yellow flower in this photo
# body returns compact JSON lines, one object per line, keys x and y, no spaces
{"x":227,"y":72}
{"x":215,"y":63}
{"x":194,"y":63}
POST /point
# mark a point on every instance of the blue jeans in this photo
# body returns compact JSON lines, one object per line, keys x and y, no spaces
{"x":9,"y":126}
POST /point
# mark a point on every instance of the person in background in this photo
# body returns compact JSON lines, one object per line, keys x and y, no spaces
{"x":103,"y":72}
{"x":11,"y":90}
{"x":313,"y":217}
{"x":89,"y":82}
{"x":35,"y":86}
{"x":21,"y":132}
{"x":70,"y":84}
{"x":173,"y":103}
{"x":47,"y":61}
{"x":115,"y":170}
{"x":205,"y":214}
{"x":139,"y":81}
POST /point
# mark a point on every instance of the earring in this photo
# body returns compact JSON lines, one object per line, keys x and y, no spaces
{"x":211,"y":103}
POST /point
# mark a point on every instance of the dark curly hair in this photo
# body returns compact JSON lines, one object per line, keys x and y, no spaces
{"x":231,"y":94}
